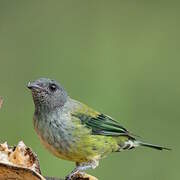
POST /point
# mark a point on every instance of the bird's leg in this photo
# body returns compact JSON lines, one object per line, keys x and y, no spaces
{"x":80,"y":167}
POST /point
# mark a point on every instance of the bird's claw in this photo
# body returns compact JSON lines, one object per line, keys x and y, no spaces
{"x":74,"y":175}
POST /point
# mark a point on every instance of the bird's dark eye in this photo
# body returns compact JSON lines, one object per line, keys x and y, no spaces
{"x":52,"y":87}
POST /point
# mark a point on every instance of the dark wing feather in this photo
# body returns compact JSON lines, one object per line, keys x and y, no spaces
{"x":101,"y":124}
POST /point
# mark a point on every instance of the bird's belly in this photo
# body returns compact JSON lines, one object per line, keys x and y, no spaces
{"x":57,"y":142}
{"x":61,"y":142}
{"x":54,"y":150}
{"x":74,"y":145}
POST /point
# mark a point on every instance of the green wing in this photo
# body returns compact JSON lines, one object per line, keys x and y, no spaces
{"x":100,"y":124}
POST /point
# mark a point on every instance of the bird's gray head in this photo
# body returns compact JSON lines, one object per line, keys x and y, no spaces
{"x":47,"y":93}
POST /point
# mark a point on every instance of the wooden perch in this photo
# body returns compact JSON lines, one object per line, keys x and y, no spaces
{"x":21,"y":163}
{"x":1,"y":102}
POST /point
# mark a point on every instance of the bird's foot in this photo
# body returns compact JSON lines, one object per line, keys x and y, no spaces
{"x":80,"y":167}
{"x":75,"y":175}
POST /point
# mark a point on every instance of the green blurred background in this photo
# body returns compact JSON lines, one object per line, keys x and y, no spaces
{"x":120,"y":57}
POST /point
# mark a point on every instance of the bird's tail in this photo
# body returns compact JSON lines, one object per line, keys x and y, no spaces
{"x":152,"y":146}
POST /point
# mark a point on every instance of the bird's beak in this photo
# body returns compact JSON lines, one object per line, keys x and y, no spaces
{"x":33,"y":86}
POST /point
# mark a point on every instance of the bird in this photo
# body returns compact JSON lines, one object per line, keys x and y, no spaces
{"x":73,"y":131}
